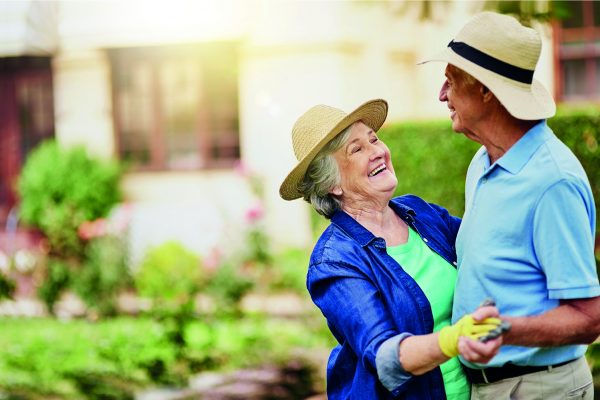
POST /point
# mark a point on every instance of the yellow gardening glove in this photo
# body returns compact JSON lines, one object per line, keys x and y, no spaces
{"x":466,"y":326}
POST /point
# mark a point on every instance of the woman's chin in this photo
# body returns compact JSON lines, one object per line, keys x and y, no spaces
{"x":387,"y":185}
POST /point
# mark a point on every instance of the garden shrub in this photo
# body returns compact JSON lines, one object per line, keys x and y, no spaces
{"x":169,"y":273}
{"x":60,"y":188}
{"x":56,"y":280}
{"x":430,"y":161}
{"x":288,"y":271}
{"x":227,"y":286}
{"x":104,"y":274}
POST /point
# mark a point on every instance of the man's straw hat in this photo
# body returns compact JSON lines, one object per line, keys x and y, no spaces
{"x":502,"y":54}
{"x":319,"y":125}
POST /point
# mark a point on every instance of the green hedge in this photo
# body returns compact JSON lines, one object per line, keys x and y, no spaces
{"x":113,"y":359}
{"x":431,"y":160}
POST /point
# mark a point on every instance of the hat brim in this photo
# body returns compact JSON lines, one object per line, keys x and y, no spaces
{"x":372,"y":113}
{"x":522,"y":101}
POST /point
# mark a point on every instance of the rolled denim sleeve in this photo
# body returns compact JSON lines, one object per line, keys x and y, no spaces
{"x":389,"y":369}
{"x":355,"y":311}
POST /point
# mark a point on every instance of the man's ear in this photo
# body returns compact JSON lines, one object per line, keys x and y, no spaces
{"x":336,"y":191}
{"x":486,"y":93}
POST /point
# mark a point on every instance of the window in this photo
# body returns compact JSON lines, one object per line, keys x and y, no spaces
{"x":578,"y":52}
{"x":176,"y":107}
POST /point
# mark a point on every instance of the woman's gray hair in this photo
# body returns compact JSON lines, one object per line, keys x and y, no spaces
{"x":322,"y":176}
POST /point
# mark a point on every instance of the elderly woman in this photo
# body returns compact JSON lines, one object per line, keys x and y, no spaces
{"x":383,"y":272}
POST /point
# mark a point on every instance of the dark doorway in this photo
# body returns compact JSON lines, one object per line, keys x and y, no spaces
{"x":26,"y":118}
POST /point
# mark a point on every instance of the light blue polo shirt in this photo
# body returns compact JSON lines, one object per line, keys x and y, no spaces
{"x":527,"y":237}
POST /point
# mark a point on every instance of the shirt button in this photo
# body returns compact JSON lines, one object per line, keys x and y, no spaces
{"x":454,"y":262}
{"x":484,"y":180}
{"x":425,"y":240}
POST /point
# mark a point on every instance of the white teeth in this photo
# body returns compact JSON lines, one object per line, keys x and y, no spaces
{"x":377,"y":170}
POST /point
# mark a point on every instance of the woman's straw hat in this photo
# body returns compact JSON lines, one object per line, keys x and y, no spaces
{"x":316,"y":127}
{"x":502,"y":54}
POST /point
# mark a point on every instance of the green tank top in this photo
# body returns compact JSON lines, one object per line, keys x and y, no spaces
{"x":436,"y":278}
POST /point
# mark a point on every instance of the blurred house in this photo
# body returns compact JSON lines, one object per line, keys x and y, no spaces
{"x":195,"y":94}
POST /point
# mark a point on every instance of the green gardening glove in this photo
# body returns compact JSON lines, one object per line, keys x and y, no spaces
{"x":466,"y":326}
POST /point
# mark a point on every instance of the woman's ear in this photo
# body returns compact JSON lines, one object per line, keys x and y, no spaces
{"x":336,"y":191}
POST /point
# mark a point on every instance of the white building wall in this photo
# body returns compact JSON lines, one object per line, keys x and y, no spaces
{"x":82,"y":101}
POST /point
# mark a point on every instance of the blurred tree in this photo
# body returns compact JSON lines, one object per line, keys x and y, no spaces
{"x":529,"y":11}
{"x":525,"y":11}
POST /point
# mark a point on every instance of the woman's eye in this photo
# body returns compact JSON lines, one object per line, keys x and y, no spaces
{"x":355,"y":150}
{"x":374,"y":139}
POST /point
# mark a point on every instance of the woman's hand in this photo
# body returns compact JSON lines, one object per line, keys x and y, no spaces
{"x":477,"y":326}
{"x":474,"y":350}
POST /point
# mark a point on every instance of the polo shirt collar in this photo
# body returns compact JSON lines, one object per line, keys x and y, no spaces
{"x":519,"y":154}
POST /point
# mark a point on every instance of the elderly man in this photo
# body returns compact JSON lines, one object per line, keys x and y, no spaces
{"x":527,"y":235}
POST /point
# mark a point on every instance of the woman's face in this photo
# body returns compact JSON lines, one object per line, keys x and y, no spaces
{"x":365,"y":166}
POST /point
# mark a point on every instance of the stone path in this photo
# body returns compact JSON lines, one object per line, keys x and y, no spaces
{"x":291,"y":382}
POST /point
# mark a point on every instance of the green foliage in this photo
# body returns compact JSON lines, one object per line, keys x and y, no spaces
{"x":104,"y":274}
{"x":7,"y":287}
{"x":288,"y":270}
{"x":593,"y":356}
{"x":50,"y":358}
{"x":112,"y":359}
{"x":430,"y":160}
{"x":227,"y":286}
{"x":258,"y":245}
{"x":57,"y":279}
{"x":61,"y":188}
{"x":169,"y":272}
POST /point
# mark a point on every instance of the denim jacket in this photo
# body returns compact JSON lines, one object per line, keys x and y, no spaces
{"x":370,"y":301}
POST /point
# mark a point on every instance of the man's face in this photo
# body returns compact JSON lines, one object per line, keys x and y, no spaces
{"x":464,"y":101}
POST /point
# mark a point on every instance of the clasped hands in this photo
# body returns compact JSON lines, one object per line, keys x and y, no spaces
{"x":477,"y":337}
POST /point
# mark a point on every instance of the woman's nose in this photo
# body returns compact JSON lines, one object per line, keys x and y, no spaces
{"x":376,"y":152}
{"x":444,"y":91}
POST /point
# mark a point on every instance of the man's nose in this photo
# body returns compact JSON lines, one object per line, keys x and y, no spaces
{"x":444,"y":91}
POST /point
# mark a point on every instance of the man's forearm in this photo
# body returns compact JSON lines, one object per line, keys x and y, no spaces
{"x":573,"y":322}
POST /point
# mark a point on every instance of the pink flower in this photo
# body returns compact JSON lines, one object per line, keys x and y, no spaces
{"x":116,"y":223}
{"x":254,"y":213}
{"x":213,"y":259}
{"x":92,"y":229}
{"x":242,"y":169}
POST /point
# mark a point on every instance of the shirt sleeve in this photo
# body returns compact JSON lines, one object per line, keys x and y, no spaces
{"x":357,"y":315}
{"x":389,"y":369}
{"x":563,"y":240}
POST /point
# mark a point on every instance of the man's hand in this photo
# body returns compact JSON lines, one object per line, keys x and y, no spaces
{"x":470,"y":327}
{"x":478,"y":352}
{"x":474,"y":350}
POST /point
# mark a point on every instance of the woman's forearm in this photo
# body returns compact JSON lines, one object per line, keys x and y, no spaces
{"x":420,"y":354}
